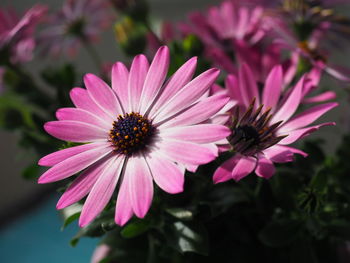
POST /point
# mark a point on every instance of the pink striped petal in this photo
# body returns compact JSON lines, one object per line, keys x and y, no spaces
{"x":201,"y":133}
{"x":328,"y":95}
{"x":301,"y":133}
{"x":140,"y":185}
{"x":82,"y":185}
{"x":155,"y":77}
{"x":74,"y":131}
{"x":180,"y":78}
{"x":137,"y":76}
{"x":120,"y":76}
{"x":247,"y":85}
{"x":102,"y":191}
{"x":123,"y":209}
{"x":187,"y":152}
{"x":81,"y":99}
{"x":199,"y":112}
{"x":59,"y":156}
{"x":291,"y":104}
{"x":73,"y":165}
{"x":231,"y":84}
{"x":224,"y":172}
{"x":189,"y":94}
{"x":76,"y":114}
{"x":282,"y":154}
{"x":102,"y":95}
{"x":265,"y":168}
{"x":307,"y":117}
{"x":166,"y":174}
{"x":243,"y":167}
{"x":273,"y":87}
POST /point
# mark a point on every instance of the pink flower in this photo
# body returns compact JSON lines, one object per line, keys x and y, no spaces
{"x":139,"y":131}
{"x":263,"y":124}
{"x":100,"y":253}
{"x":17,"y":34}
{"x":76,"y":22}
{"x":232,"y":20}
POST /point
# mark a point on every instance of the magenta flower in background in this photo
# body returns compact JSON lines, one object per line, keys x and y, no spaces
{"x":263,"y":124}
{"x":17,"y":33}
{"x":78,"y":21}
{"x":139,"y":131}
{"x":231,"y":21}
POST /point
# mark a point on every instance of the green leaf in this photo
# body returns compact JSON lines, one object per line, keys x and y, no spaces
{"x":191,"y":238}
{"x":134,"y":229}
{"x":280,"y":233}
{"x":70,"y":214}
{"x":180,"y":213}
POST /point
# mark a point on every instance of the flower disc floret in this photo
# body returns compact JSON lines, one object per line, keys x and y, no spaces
{"x":131,"y":133}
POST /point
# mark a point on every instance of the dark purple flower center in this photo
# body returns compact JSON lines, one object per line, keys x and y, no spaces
{"x":253,"y":133}
{"x":131,"y":133}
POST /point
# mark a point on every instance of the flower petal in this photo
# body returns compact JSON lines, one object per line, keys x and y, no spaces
{"x":155,"y":78}
{"x":265,"y":168}
{"x":187,"y":152}
{"x":81,"y":99}
{"x":328,"y":95}
{"x":140,"y":185}
{"x":273,"y":87}
{"x":180,"y":78}
{"x":102,"y":95}
{"x":189,"y":94}
{"x":224,"y":172}
{"x":301,"y":133}
{"x":75,"y":131}
{"x":74,"y":164}
{"x":137,"y":76}
{"x":167,"y":175}
{"x":247,"y":85}
{"x":76,"y":114}
{"x":307,"y":117}
{"x":102,"y":191}
{"x":59,"y":156}
{"x":243,"y":167}
{"x":120,"y":76}
{"x":82,"y":185}
{"x":201,"y":133}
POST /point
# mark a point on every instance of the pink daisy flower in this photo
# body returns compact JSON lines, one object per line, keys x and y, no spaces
{"x":17,"y":33}
{"x":76,"y":22}
{"x":263,"y":124}
{"x":139,"y":131}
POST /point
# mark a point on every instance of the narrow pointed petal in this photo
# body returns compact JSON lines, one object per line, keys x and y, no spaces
{"x":265,"y":168}
{"x":201,"y":133}
{"x":137,"y":76}
{"x":74,"y":131}
{"x":123,"y":209}
{"x":273,"y":87}
{"x":120,"y":76}
{"x":180,"y":78}
{"x":76,"y":114}
{"x":243,"y":167}
{"x":199,"y":112}
{"x":301,"y":133}
{"x":81,"y":99}
{"x":140,"y":185}
{"x":59,"y":156}
{"x":155,"y":77}
{"x":166,"y":174}
{"x":291,"y":104}
{"x":307,"y":117}
{"x":282,"y":153}
{"x":82,"y":185}
{"x":247,"y":85}
{"x":187,"y":152}
{"x":102,"y":94}
{"x":328,"y":95}
{"x":102,"y":191}
{"x":188,"y":95}
{"x":74,"y":165}
{"x":224,"y":172}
